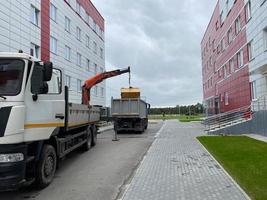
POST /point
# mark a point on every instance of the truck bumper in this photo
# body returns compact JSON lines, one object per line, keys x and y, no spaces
{"x":12,"y":174}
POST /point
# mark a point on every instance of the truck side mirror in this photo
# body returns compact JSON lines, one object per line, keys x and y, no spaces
{"x":48,"y":70}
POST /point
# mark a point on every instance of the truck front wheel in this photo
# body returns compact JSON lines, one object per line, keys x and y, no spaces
{"x":46,"y":166}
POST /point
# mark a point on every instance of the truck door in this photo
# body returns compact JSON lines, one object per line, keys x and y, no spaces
{"x":45,"y":105}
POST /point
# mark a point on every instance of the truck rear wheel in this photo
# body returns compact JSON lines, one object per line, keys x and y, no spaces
{"x":46,"y":166}
{"x":86,"y":146}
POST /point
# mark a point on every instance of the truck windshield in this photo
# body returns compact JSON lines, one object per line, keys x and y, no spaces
{"x":11,"y":76}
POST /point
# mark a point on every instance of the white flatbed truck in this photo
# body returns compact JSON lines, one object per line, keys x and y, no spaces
{"x":38,"y":124}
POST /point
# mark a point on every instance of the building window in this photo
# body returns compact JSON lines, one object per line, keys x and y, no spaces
{"x":253,"y":90}
{"x":79,"y":59}
{"x":221,"y":18}
{"x":232,"y":65}
{"x":95,"y":68}
{"x":87,"y":41}
{"x":67,"y":53}
{"x":102,"y":92}
{"x":101,"y":53}
{"x":96,"y":88}
{"x":230,"y":35}
{"x":79,"y":85}
{"x":237,"y":25}
{"x":87,"y":18}
{"x":224,"y":71}
{"x":226,"y":99}
{"x":35,"y":50}
{"x":101,"y":33}
{"x":213,"y":45}
{"x":95,"y":48}
{"x":53,"y":12}
{"x":67,"y":81}
{"x":78,"y":8}
{"x":101,"y":69}
{"x":223,"y":44}
{"x":35,"y":15}
{"x":248,"y":11}
{"x":265,"y":38}
{"x":88,"y":64}
{"x":240,"y":59}
{"x":94,"y":25}
{"x":250,"y":51}
{"x":53,"y":45}
{"x":227,"y":6}
{"x":78,"y":33}
{"x":67,"y":24}
{"x":218,"y":49}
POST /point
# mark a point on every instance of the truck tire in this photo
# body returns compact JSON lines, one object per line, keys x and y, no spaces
{"x":94,"y":138}
{"x":86,"y":146}
{"x":46,"y":167}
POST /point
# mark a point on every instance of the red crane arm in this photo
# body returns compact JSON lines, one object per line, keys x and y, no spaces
{"x":88,"y":84}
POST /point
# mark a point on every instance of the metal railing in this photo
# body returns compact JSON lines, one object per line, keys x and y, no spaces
{"x":226,"y":119}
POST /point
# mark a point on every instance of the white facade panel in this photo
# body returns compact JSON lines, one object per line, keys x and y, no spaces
{"x":18,"y":32}
{"x":255,"y":34}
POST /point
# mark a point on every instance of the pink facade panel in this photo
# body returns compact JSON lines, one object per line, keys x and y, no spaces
{"x":225,"y":61}
{"x":93,"y":12}
{"x":45,"y":30}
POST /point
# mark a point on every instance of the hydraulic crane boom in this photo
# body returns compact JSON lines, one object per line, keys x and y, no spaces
{"x":88,"y":84}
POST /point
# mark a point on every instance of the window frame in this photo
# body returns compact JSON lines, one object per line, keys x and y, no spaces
{"x":35,"y":15}
{"x":36,"y":50}
{"x":53,"y":45}
{"x":68,"y":81}
{"x":79,"y":59}
{"x":248,"y":11}
{"x":53,"y":15}
{"x":79,"y":88}
{"x":67,"y":24}
{"x":67,"y":53}
{"x":78,"y":33}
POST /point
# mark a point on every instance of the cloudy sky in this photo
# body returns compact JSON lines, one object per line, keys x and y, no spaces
{"x":160,"y":40}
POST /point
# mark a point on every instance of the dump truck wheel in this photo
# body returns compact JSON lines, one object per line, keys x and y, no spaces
{"x":46,"y":167}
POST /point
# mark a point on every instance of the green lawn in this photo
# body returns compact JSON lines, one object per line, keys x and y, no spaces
{"x":245,"y":159}
{"x":181,"y":118}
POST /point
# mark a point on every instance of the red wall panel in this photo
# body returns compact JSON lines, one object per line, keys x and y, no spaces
{"x":45,"y":30}
{"x":93,"y":12}
{"x":236,"y":84}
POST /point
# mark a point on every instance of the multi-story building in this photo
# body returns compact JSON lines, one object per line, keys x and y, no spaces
{"x":70,"y":33}
{"x":234,"y":55}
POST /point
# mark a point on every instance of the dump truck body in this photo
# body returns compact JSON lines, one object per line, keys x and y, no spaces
{"x":129,"y":114}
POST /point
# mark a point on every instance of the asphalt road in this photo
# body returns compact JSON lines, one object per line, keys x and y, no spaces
{"x":99,"y":174}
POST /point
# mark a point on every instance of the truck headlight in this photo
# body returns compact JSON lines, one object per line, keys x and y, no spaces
{"x":12,"y":157}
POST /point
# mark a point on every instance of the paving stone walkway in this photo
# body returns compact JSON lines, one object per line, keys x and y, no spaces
{"x":178,"y":167}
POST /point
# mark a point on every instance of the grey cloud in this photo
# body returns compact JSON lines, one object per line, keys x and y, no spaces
{"x":160,"y":39}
